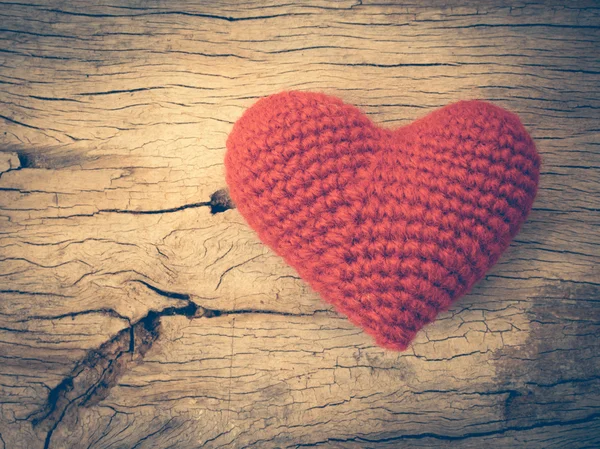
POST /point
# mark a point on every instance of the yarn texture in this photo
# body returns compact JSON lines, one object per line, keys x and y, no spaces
{"x":389,"y":226}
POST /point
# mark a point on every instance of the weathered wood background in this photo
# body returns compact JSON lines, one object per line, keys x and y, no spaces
{"x":133,"y":316}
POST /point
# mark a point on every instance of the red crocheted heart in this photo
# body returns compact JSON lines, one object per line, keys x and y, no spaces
{"x":389,"y":226}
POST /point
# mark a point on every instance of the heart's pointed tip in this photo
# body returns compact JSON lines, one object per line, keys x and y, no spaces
{"x":393,"y":345}
{"x":393,"y":336}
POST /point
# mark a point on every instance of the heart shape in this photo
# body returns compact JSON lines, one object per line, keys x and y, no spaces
{"x":389,"y":226}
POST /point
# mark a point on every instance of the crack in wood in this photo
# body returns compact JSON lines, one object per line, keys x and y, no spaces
{"x":466,"y":436}
{"x":219,"y":202}
{"x":103,"y":311}
{"x":93,"y":377}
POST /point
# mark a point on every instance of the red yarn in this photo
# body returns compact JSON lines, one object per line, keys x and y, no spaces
{"x":389,"y":226}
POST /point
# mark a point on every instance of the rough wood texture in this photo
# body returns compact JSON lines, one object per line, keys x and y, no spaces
{"x":135,"y":315}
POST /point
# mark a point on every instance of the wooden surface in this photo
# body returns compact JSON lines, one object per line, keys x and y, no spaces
{"x":131,"y":316}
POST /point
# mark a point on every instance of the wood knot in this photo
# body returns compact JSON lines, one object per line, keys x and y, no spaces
{"x":220,"y":201}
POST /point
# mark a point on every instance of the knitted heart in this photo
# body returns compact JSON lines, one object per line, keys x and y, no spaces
{"x":389,"y":226}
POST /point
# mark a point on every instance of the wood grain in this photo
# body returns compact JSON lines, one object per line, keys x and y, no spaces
{"x":134,"y":314}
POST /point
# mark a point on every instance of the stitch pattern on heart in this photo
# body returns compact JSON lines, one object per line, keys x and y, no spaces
{"x":389,"y":226}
